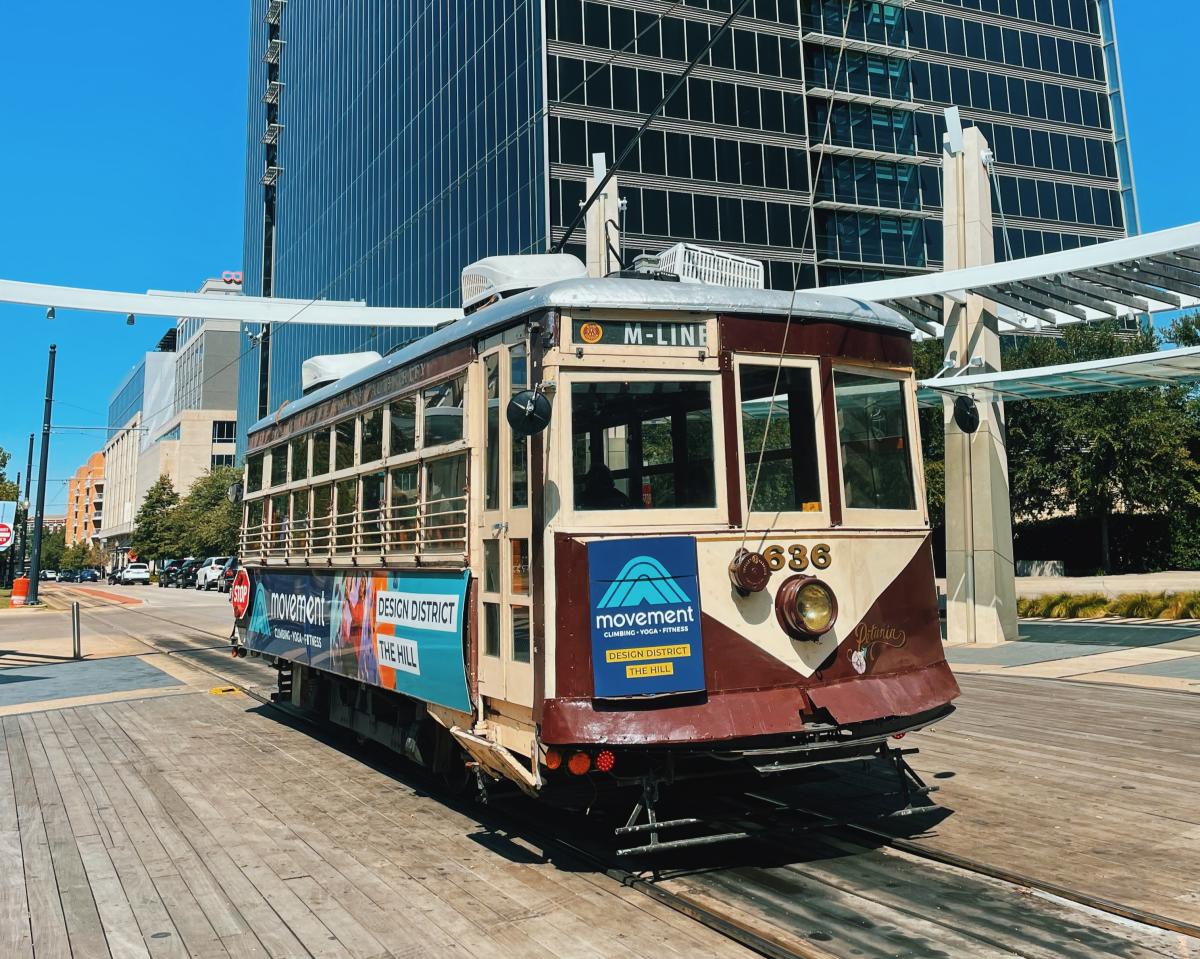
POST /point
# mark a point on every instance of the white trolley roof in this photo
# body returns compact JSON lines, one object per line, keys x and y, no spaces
{"x":613,"y":294}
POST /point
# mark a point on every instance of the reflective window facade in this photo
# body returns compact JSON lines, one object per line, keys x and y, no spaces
{"x":390,"y":145}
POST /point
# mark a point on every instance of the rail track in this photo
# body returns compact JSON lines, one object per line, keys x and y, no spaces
{"x":808,"y":886}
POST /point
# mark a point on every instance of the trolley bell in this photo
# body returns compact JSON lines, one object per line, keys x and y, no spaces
{"x":749,"y":572}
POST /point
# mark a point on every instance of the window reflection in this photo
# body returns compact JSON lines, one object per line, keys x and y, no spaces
{"x":874,"y":438}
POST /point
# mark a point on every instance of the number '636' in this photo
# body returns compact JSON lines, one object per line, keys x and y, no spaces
{"x":797,"y":556}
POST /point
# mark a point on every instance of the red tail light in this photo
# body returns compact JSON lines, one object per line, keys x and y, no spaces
{"x":553,"y":759}
{"x":606,"y":760}
{"x":579,"y":763}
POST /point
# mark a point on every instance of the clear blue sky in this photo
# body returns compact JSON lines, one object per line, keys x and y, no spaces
{"x":121,"y":167}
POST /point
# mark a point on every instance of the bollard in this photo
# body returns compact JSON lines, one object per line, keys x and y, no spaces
{"x":20,"y":591}
{"x":75,"y":651}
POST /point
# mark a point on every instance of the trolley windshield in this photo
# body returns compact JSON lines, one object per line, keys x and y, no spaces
{"x":642,"y":444}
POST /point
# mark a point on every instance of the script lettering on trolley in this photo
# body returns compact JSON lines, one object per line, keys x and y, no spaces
{"x":430,"y":611}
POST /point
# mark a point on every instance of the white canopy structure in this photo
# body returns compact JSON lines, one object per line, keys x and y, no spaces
{"x":247,"y":309}
{"x":1139,"y":275}
{"x":1070,"y":379}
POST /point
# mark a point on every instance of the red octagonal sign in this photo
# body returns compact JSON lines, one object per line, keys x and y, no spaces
{"x":6,"y":535}
{"x":239,"y":594}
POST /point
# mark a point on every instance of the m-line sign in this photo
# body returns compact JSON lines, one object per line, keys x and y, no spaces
{"x":691,"y":335}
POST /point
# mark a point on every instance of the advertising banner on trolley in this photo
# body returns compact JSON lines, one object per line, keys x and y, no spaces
{"x":399,"y":630}
{"x":645,"y":616}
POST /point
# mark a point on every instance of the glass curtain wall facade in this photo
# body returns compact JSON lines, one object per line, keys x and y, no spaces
{"x":833,"y":109}
{"x":390,"y":145}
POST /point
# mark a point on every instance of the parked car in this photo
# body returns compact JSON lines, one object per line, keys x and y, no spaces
{"x":88,"y":576}
{"x":186,"y":577}
{"x":167,"y":570}
{"x":68,"y":576}
{"x":49,"y":575}
{"x":228,"y":572}
{"x":135,"y":574}
{"x":114,"y":576}
{"x":208,"y":574}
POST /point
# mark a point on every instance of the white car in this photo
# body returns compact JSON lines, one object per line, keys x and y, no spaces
{"x":135,"y":573}
{"x":48,"y":575}
{"x":208,"y":576}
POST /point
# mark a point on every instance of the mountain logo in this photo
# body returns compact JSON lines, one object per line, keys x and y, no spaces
{"x":642,"y":581}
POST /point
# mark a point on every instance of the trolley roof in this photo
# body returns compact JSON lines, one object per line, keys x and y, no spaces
{"x":611,"y":293}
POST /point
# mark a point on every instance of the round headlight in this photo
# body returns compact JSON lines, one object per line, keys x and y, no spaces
{"x":815,"y":604}
{"x":806,"y":607}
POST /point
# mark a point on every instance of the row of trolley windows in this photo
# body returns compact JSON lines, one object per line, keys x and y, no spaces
{"x":649,"y":445}
{"x":989,"y":43}
{"x":420,"y":507}
{"x":1035,"y":99}
{"x":364,"y":439}
{"x":682,"y":156}
{"x":700,"y":100}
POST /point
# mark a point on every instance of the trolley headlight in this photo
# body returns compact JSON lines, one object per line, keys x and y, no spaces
{"x":806,"y":607}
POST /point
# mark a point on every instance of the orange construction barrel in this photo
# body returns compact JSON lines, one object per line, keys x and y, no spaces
{"x":20,"y":591}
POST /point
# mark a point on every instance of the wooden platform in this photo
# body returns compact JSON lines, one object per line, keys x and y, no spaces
{"x":1094,"y":787}
{"x":192,"y":825}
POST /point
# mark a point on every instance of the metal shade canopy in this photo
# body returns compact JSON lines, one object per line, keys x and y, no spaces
{"x":1168,"y":368}
{"x":1132,"y":277}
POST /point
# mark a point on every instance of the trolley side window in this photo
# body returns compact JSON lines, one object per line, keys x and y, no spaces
{"x":642,"y":445}
{"x":254,"y":473}
{"x":874,"y":438}
{"x":779,"y":428}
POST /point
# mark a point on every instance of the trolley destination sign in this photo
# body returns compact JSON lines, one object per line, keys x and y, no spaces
{"x":687,"y":334}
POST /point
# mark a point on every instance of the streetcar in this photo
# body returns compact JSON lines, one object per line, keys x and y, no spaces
{"x":605,"y":535}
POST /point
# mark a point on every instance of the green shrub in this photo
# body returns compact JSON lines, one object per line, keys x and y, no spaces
{"x":1140,"y":605}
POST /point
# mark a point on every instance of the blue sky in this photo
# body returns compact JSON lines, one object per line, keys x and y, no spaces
{"x":121,"y":167}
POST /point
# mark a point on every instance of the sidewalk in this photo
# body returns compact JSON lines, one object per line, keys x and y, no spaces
{"x":1149,"y":656}
{"x":1183,"y":581}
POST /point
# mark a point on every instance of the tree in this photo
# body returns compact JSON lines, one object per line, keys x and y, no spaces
{"x":156,"y":528}
{"x":1130,"y":451}
{"x":53,"y":546}
{"x":9,"y":490}
{"x":208,"y":523}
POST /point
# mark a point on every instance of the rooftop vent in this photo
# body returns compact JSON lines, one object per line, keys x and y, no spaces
{"x":323,"y":370}
{"x":701,"y":264}
{"x":497,"y":277}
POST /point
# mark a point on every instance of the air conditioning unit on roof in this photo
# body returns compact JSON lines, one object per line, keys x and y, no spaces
{"x":702,"y":264}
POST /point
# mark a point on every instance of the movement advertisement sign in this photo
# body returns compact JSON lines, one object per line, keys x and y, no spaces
{"x":644,"y":600}
{"x":398,"y":630}
{"x":8,"y":522}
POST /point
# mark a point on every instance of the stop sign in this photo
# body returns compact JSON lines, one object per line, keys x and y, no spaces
{"x":239,"y":594}
{"x":6,"y":535}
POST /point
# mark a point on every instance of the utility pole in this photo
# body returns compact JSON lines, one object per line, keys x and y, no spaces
{"x":10,"y":572}
{"x":25,"y":503}
{"x":35,"y":561}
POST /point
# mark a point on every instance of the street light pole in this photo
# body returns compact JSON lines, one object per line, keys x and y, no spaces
{"x":25,"y":518}
{"x":35,"y":561}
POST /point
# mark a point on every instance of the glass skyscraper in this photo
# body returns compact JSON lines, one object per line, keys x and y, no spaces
{"x":392,"y":144}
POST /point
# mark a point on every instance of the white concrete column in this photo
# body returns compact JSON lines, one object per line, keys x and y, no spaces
{"x":981,"y":605}
{"x":603,"y":222}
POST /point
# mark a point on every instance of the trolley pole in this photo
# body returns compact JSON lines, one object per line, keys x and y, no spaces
{"x":35,"y":560}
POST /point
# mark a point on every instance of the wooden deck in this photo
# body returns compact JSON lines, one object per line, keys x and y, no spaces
{"x":191,"y":825}
{"x":1094,"y":787}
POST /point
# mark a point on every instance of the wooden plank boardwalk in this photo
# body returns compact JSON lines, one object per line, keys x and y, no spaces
{"x":1096,"y":788}
{"x":193,"y":826}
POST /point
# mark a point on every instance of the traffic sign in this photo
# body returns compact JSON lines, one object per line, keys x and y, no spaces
{"x":239,"y":594}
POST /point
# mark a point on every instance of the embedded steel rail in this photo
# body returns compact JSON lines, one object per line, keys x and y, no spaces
{"x":1142,"y":916}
